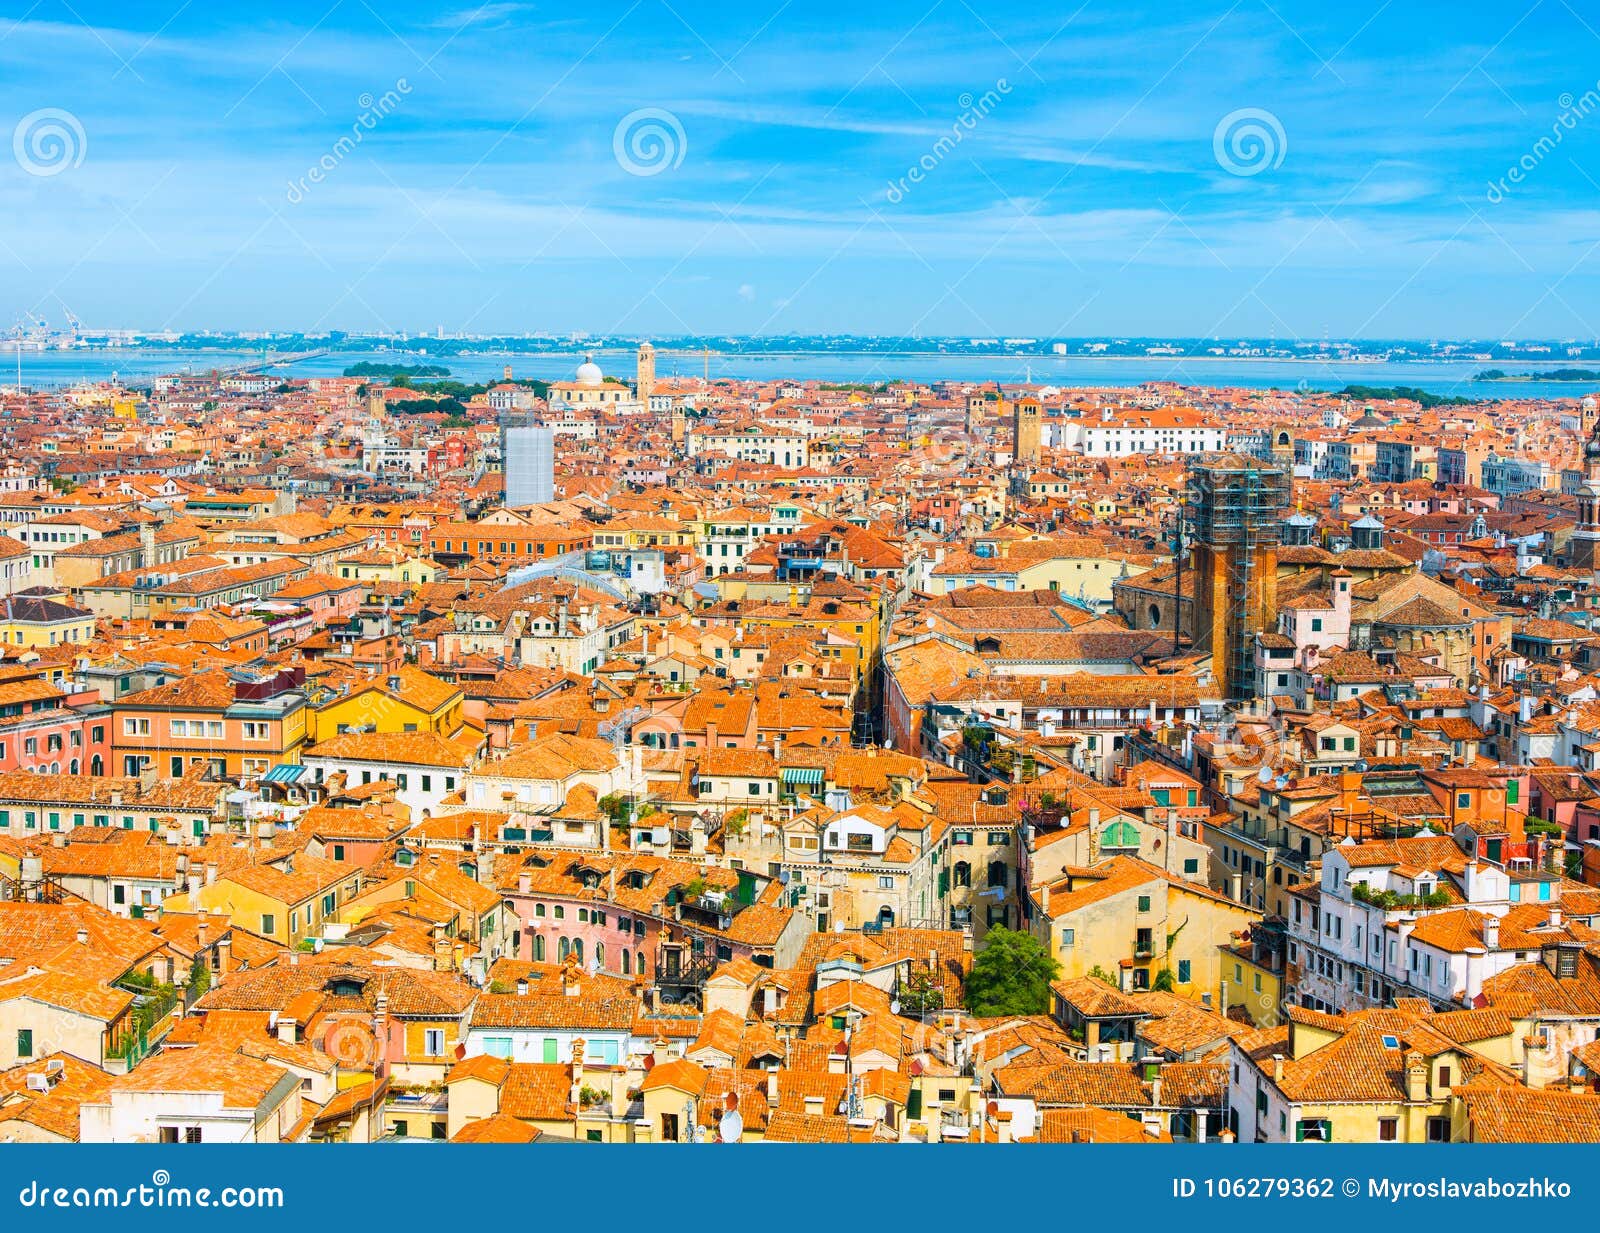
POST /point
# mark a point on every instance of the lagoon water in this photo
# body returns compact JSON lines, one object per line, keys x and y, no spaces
{"x":47,"y":369}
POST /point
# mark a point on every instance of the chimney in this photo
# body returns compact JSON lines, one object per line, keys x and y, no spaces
{"x":1277,"y":1068}
{"x":380,"y":1020}
{"x":658,"y":1051}
{"x":1416,"y":1077}
{"x":577,"y":1068}
{"x":286,"y":1029}
{"x":1044,"y":900}
{"x":201,"y":930}
{"x":83,"y":937}
{"x":524,"y":882}
{"x":1555,"y":916}
{"x":522,"y":988}
{"x":211,"y":872}
{"x":224,"y":955}
{"x":1476,"y":961}
{"x":772,"y":1088}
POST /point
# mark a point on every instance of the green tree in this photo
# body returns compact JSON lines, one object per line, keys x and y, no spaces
{"x":199,"y":979}
{"x":1011,"y":975}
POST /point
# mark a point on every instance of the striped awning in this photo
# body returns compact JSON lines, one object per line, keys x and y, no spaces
{"x":809,"y":775}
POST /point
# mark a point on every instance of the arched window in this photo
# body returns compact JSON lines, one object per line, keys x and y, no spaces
{"x":627,"y":962}
{"x":563,"y":949}
{"x":577,"y":949}
{"x":997,"y":873}
{"x":886,"y":917}
{"x":600,"y":956}
{"x":963,"y":874}
{"x":538,"y":948}
{"x":74,"y":766}
{"x":638,"y":963}
{"x":96,"y":766}
{"x":538,"y":909}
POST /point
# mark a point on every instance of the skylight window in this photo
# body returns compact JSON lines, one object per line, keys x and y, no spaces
{"x":1391,"y":1042}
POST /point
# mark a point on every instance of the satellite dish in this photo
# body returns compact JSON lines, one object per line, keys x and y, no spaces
{"x":731,"y":1128}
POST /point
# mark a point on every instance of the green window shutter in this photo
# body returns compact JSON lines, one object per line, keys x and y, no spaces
{"x":914,"y":1103}
{"x":1513,"y":791}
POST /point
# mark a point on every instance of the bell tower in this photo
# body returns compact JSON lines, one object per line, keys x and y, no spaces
{"x":646,"y":379}
{"x":1583,"y":551}
{"x":1025,"y":431}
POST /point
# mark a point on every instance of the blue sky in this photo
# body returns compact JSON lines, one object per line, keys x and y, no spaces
{"x":1092,"y":191}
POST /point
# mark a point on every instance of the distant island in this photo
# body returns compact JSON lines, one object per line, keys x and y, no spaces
{"x":1555,"y":374}
{"x":1389,"y":393}
{"x":368,"y":369}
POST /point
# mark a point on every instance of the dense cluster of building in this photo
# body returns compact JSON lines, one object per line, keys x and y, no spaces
{"x":660,"y":760}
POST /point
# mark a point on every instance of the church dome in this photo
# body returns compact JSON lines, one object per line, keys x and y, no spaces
{"x":589,"y":372}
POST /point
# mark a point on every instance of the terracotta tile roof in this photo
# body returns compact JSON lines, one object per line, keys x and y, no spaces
{"x":45,"y":936}
{"x":244,"y":1082}
{"x":396,"y":749}
{"x":497,"y":1128}
{"x":411,"y":993}
{"x":540,"y":1009}
{"x":1092,"y":1126}
{"x":1517,"y":1115}
{"x":56,"y":1110}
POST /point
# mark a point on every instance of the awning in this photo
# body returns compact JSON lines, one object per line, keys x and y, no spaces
{"x":809,"y":775}
{"x":284,"y":773}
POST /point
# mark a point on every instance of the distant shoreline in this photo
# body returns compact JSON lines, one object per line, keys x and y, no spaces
{"x":1593,"y":379}
{"x":7,"y":346}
